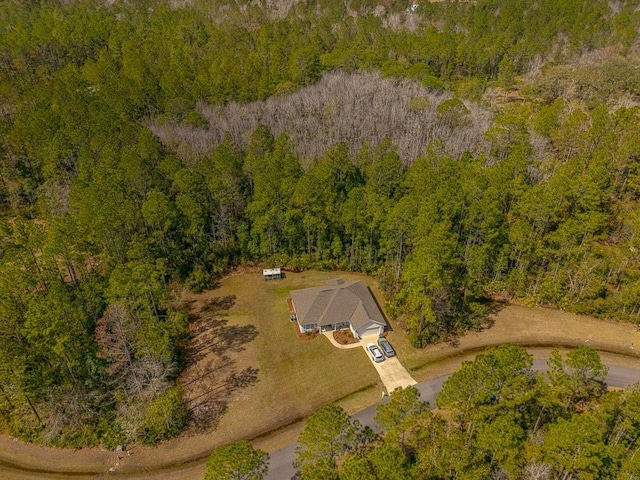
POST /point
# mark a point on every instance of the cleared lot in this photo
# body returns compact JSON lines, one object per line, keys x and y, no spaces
{"x":291,"y":378}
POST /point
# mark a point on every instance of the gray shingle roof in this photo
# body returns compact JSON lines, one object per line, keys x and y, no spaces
{"x":337,"y":302}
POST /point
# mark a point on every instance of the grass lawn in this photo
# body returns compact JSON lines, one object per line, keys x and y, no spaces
{"x":290,"y":378}
{"x":296,"y":377}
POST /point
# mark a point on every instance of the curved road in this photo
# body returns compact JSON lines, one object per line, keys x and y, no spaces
{"x":280,"y":464}
{"x":281,"y":467}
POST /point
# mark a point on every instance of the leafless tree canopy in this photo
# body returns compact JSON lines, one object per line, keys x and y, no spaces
{"x":115,"y":334}
{"x":537,"y":471}
{"x":140,"y":377}
{"x":351,"y":108}
{"x":69,"y":409}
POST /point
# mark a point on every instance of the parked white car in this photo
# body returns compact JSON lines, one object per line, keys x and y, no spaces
{"x":375,"y":352}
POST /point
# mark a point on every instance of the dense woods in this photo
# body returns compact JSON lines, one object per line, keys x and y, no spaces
{"x":454,"y":152}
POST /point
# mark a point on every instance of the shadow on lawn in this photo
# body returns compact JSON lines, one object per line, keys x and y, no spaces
{"x":493,"y":306}
{"x":211,"y":377}
{"x":484,"y":320}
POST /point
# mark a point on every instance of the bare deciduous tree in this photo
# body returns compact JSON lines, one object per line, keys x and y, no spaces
{"x":69,"y":408}
{"x":536,"y":471}
{"x":149,"y":377}
{"x":115,"y":335}
{"x":352,"y":108}
{"x":144,"y":375}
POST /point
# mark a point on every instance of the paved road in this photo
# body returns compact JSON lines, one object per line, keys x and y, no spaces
{"x":281,"y":467}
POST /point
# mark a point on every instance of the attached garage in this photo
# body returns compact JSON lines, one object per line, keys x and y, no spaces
{"x":373,"y":329}
{"x":338,"y":305}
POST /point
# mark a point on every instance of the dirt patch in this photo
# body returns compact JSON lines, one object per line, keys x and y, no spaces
{"x":344,"y":337}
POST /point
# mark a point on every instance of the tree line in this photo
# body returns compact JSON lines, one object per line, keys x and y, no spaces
{"x":102,"y":225}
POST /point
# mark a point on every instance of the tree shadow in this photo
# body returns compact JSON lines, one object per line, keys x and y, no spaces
{"x":482,"y":321}
{"x":218,"y":337}
{"x":211,"y":376}
{"x":213,"y":305}
{"x":492,"y":306}
{"x":207,"y":408}
{"x":496,"y":304}
{"x":211,"y":333}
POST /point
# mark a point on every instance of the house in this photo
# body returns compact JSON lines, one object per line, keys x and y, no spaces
{"x":338,"y":305}
{"x":271,"y":273}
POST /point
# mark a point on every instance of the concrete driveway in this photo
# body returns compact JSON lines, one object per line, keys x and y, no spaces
{"x":391,"y":371}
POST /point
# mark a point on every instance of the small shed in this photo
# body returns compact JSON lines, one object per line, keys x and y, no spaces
{"x":272,"y":273}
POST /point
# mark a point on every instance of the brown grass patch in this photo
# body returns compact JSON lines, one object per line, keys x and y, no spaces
{"x":213,"y":374}
{"x":538,"y":329}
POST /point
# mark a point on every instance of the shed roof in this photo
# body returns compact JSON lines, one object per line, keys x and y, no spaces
{"x":337,"y":302}
{"x":271,"y":271}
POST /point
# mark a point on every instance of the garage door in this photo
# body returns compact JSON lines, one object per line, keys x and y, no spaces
{"x":373,"y":330}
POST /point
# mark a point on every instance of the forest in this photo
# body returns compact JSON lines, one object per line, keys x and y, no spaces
{"x":456,"y":152}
